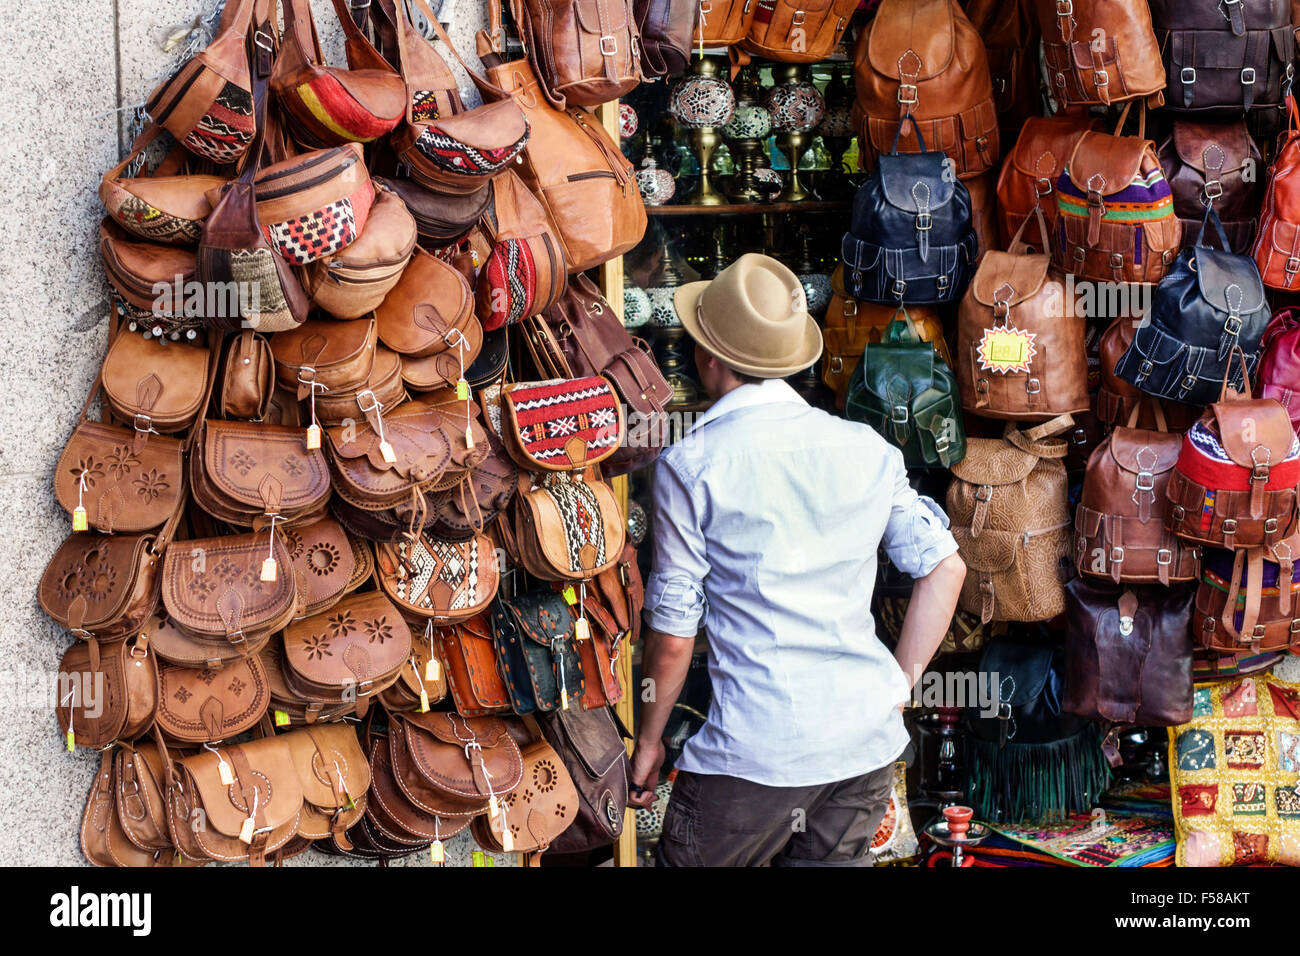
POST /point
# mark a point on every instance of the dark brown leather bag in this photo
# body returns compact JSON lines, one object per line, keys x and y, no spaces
{"x":1128,"y":654}
{"x":1028,"y":178}
{"x":1010,"y":33}
{"x":1215,"y":163}
{"x":584,"y":52}
{"x":590,"y":745}
{"x":1100,"y":52}
{"x":439,"y":220}
{"x":394,"y":825}
{"x":666,"y":27}
{"x":453,"y":766}
{"x":1116,"y":398}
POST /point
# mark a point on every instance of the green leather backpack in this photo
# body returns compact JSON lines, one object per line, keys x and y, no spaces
{"x":903,"y":389}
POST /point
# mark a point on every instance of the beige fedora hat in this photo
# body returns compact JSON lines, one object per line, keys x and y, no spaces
{"x":753,"y":317}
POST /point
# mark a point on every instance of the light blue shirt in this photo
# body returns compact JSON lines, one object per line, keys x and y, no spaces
{"x":767,"y":517}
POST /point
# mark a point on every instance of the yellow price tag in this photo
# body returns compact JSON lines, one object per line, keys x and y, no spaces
{"x":570,"y":596}
{"x":478,"y":858}
{"x":281,"y":719}
{"x":462,"y":390}
{"x":72,"y":741}
{"x":1006,"y":349}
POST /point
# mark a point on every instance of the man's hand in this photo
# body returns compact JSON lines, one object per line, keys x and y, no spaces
{"x":647,"y":758}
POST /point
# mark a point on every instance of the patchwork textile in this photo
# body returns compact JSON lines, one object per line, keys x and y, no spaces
{"x":224,"y":132}
{"x":1111,"y":840}
{"x":1234,"y":769}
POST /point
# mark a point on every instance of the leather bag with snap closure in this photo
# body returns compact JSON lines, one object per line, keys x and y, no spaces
{"x":107,"y":695}
{"x":797,"y":31}
{"x":334,"y":773}
{"x":1207,"y":163}
{"x":348,"y":653}
{"x":537,"y":651}
{"x":591,"y":747}
{"x":570,"y":528}
{"x":241,"y":471}
{"x":1128,"y":654}
{"x":910,"y":238}
{"x":1246,"y":602}
{"x":1021,"y":345}
{"x":430,"y":308}
{"x":197,"y":706}
{"x":453,"y":766}
{"x":466,"y":648}
{"x":1235,"y":482}
{"x":443,"y":581}
{"x":1278,"y":374}
{"x":562,"y":424}
{"x":584,"y":52}
{"x":1100,"y":52}
{"x":1027,"y":180}
{"x":526,"y":271}
{"x":385,"y":387}
{"x":1120,"y":521}
{"x":247,"y":377}
{"x":924,"y":59}
{"x":287,"y":704}
{"x":355,"y":280}
{"x":166,"y":205}
{"x":1116,"y":398}
{"x":324,"y":562}
{"x":538,"y":810}
{"x":1011,"y":518}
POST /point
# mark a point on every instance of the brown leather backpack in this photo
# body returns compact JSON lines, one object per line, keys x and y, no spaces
{"x":1119,"y":524}
{"x":1027,"y":180}
{"x":723,"y":22}
{"x":1277,"y":243}
{"x":923,"y":58}
{"x":584,"y":52}
{"x":1208,"y":163}
{"x":797,"y":31}
{"x":1020,"y":343}
{"x":1100,"y":52}
{"x":1246,"y":602}
{"x":1010,"y":33}
{"x":1116,"y":398}
{"x":666,"y":27}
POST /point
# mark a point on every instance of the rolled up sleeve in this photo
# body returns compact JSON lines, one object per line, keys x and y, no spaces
{"x":917,"y":536}
{"x":674,"y":599}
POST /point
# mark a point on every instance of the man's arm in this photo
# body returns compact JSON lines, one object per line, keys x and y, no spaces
{"x":665,"y":661}
{"x":929,"y":612}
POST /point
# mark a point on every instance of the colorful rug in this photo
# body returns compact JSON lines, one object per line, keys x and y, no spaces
{"x":1114,"y":840}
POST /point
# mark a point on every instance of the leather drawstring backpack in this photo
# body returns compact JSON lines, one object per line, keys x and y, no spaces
{"x":1116,"y":398}
{"x":1027,"y":180}
{"x":1246,"y":602}
{"x":1214,"y":164}
{"x":1277,"y":243}
{"x":1278,"y":374}
{"x":923,"y":59}
{"x":1100,"y":52}
{"x":1011,"y":517}
{"x":796,"y":31}
{"x":1120,"y":521}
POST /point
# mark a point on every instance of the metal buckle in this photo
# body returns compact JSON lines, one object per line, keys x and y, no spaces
{"x":1095,"y":199}
{"x":924,"y":221}
{"x":1146,"y":481}
{"x":1100,"y":78}
{"x":1116,"y":260}
{"x":306,"y":374}
{"x":1270,"y":526}
{"x":1259,"y":632}
{"x":147,"y":428}
{"x":1080,"y":254}
{"x":1064,"y":8}
{"x":798,"y":18}
{"x":1188,"y":75}
{"x":1188,"y":382}
{"x":1125,"y":626}
{"x":1178,"y":512}
{"x":905,"y":100}
{"x":1295,"y":625}
{"x":1033,"y":386}
{"x":1116,"y":555}
{"x":981,"y":386}
{"x":941,"y":443}
{"x":941,"y":283}
{"x":984,"y":493}
{"x":1040,"y":183}
{"x":1292,"y":264}
{"x":1229,"y":526}
{"x":1259,"y":473}
{"x":837,"y":365}
{"x":850,"y":307}
{"x":1146,"y":367}
{"x":899,"y":287}
{"x":1079,"y":437}
{"x":264,"y":41}
{"x":896,"y":411}
{"x":1248,"y":81}
{"x":1060,"y":80}
{"x":1164,"y":556}
{"x":1233,"y":325}
{"x":608,"y":45}
{"x":1208,"y":625}
{"x":1218,"y":189}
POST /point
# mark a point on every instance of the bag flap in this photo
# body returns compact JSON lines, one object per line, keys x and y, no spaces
{"x":265,"y":467}
{"x":205,"y":705}
{"x":897,"y":372}
{"x":912,"y":181}
{"x":1046,"y":142}
{"x":322,"y":344}
{"x":541,"y":616}
{"x":1220,"y":146}
{"x":1009,"y":277}
{"x":993,"y":461}
{"x":416,"y":435}
{"x":496,"y":130}
{"x":1141,"y":450}
{"x":1230,"y":283}
{"x":1106,"y":163}
{"x":1022,"y":668}
{"x":95,"y":703}
{"x":323,"y":560}
{"x":359,"y":640}
{"x":597,"y":18}
{"x":451,"y":728}
{"x":578,"y":524}
{"x":330,"y":763}
{"x":275,"y":781}
{"x":1264,"y":420}
{"x":436,"y":578}
{"x":91,"y":579}
{"x":592,"y":737}
{"x":922,"y":31}
{"x":131,"y":484}
{"x":214,"y":585}
{"x":165,"y":380}
{"x":561,"y":424}
{"x":437,"y":743}
{"x":992,"y":552}
{"x":430,"y":300}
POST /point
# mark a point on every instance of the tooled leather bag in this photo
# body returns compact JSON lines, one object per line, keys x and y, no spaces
{"x":1225,"y":59}
{"x":485,"y":494}
{"x":1020,"y":354}
{"x":537,"y":811}
{"x":571,"y":163}
{"x":797,"y":31}
{"x":1116,"y":398}
{"x":584,"y":52}
{"x":1278,"y":373}
{"x":1128,"y":654}
{"x":1027,"y":180}
{"x":204,"y":706}
{"x":334,"y":773}
{"x":1011,"y":517}
{"x":1246,"y":602}
{"x":1207,"y":163}
{"x":164,"y":205}
{"x":241,"y":472}
{"x":526,"y":270}
{"x":247,"y":377}
{"x":1211,"y":304}
{"x":1100,"y":52}
{"x":323,"y":559}
{"x":1235,"y":482}
{"x":288,"y":707}
{"x":536,"y":651}
{"x":590,"y":745}
{"x":561,"y":424}
{"x":924,"y":59}
{"x":348,"y":653}
{"x":910,"y":238}
{"x":466,"y":647}
{"x":1119,"y":523}
{"x":1115,"y":211}
{"x":569,"y":528}
{"x":106,"y":695}
{"x":443,"y":581}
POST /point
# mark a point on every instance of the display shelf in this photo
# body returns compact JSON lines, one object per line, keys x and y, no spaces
{"x":748,"y":208}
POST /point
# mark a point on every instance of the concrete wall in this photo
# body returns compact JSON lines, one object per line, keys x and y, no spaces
{"x":68,"y":69}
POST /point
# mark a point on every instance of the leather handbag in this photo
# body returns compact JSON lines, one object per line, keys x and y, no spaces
{"x":393,"y":825}
{"x":323,"y":560}
{"x":207,"y":104}
{"x":1115,"y":211}
{"x":1100,"y":52}
{"x":924,"y":59}
{"x":1211,"y":304}
{"x":155,"y":383}
{"x":1011,"y":518}
{"x":439,"y":219}
{"x":797,"y":31}
{"x":441,"y":581}
{"x":583,"y":52}
{"x":466,"y":647}
{"x":349,"y":283}
{"x":288,"y":706}
{"x":569,"y":528}
{"x":1246,"y":601}
{"x":421,"y":447}
{"x":334,"y":773}
{"x":904,"y":390}
{"x":163,"y":205}
{"x":723,"y":22}
{"x":1225,"y":59}
{"x":1027,"y":180}
{"x":1278,"y":374}
{"x":538,"y":810}
{"x":1119,"y":524}
{"x":525,"y":273}
{"x":384,"y":389}
{"x":561,"y":425}
{"x":571,"y":163}
{"x":336,"y":356}
{"x":422,"y":682}
{"x":536,"y":654}
{"x":487,"y":491}
{"x":430,"y":312}
{"x":1011,"y":36}
{"x":243,"y":471}
{"x":666,"y":27}
{"x":599,"y":655}
{"x":1277,"y":241}
{"x":1116,"y":398}
{"x":590,"y":745}
{"x":348,"y":653}
{"x":1235,"y":482}
{"x":327,"y":106}
{"x":140,"y":796}
{"x":205,"y":706}
{"x":1022,"y":354}
{"x":247,"y":377}
{"x":149,"y":277}
{"x":108,"y":694}
{"x":315,"y":204}
{"x":1207,"y":164}
{"x":453,"y":766}
{"x":1128,"y":654}
{"x":910,"y":238}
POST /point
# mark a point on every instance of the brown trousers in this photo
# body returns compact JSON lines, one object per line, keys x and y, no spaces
{"x":716,"y":820}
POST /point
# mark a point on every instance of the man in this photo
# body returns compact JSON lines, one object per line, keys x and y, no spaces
{"x":767,"y":517}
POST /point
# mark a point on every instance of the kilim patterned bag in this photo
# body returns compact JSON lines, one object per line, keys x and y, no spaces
{"x":1246,"y":602}
{"x":526,"y":272}
{"x":165,"y":206}
{"x":313,"y":205}
{"x":569,"y":528}
{"x":444,"y":581}
{"x":562,"y":424}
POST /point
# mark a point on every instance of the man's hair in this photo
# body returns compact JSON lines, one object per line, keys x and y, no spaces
{"x":748,"y":379}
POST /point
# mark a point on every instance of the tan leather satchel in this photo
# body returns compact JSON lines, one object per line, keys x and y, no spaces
{"x":334,"y":355}
{"x":248,"y":377}
{"x":140,"y":798}
{"x":349,"y":653}
{"x":204,"y":706}
{"x":1027,"y":180}
{"x":453,"y":766}
{"x":423,"y":681}
{"x":569,"y":528}
{"x":384,"y":389}
{"x":442,"y":581}
{"x":922,"y":58}
{"x":1246,"y":601}
{"x":584,"y":52}
{"x":288,"y":707}
{"x":430,"y":312}
{"x":1020,"y":341}
{"x":539,"y":809}
{"x":1011,"y":517}
{"x":244,"y":471}
{"x":797,"y":31}
{"x":1100,"y":52}
{"x":106,"y":695}
{"x":324,"y":562}
{"x":1120,"y":521}
{"x":335,"y":777}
